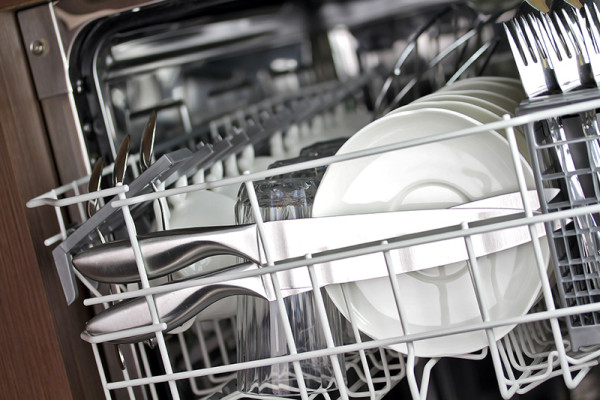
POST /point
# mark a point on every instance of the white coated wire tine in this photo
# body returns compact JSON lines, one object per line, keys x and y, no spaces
{"x":275,"y":282}
{"x":411,"y":377}
{"x":322,"y":315}
{"x":80,"y":208}
{"x":147,"y":370}
{"x":185,"y":353}
{"x":545,"y":285}
{"x":493,"y":344}
{"x":356,"y":333}
{"x":131,"y":230}
{"x":507,"y":385}
{"x":101,"y":372}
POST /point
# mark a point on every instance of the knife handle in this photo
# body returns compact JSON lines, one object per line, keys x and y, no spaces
{"x":166,"y":252}
{"x":174,"y":308}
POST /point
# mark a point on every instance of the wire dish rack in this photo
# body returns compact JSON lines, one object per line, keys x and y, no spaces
{"x":200,"y":362}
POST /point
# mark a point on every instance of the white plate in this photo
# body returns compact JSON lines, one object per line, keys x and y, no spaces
{"x":437,"y":175}
{"x":478,"y":113}
{"x":502,"y":101}
{"x":500,"y":79}
{"x":496,"y":109}
{"x":510,"y":91}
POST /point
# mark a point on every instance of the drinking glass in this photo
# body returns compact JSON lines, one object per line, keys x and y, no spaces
{"x":260,"y":327}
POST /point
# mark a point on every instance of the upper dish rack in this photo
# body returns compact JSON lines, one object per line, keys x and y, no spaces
{"x":535,"y":351}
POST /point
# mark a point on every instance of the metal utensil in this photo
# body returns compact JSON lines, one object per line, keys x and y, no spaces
{"x":147,"y":143}
{"x":564,"y":53}
{"x":146,"y":154}
{"x":168,"y":251}
{"x":586,"y":40}
{"x":537,"y":75}
{"x":178,"y":306}
{"x":92,"y":206}
{"x":94,"y":186}
{"x":120,"y":166}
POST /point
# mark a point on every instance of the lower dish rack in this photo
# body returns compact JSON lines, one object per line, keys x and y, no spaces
{"x":200,"y":361}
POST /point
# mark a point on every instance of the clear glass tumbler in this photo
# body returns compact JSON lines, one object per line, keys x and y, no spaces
{"x":260,"y":329}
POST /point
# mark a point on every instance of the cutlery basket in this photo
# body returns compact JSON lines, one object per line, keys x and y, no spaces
{"x":576,"y":269}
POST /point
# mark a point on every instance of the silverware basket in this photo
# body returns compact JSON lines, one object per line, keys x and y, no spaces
{"x":574,"y":248}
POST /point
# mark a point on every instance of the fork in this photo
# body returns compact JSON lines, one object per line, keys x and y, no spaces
{"x":585,"y":34}
{"x":564,"y":57}
{"x":583,"y":57}
{"x":537,"y":78}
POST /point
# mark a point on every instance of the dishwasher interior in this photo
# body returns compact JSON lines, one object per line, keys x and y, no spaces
{"x":248,"y":93}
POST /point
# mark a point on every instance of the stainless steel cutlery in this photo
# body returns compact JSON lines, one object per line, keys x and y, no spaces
{"x":168,"y":251}
{"x":164,"y":253}
{"x":557,"y":53}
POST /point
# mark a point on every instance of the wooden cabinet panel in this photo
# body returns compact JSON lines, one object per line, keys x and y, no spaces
{"x":10,"y":4}
{"x":41,"y":354}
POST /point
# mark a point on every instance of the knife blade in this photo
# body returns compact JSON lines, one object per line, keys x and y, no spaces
{"x":168,"y":251}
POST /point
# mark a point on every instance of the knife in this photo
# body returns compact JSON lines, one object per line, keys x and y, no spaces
{"x":178,"y":306}
{"x":168,"y":251}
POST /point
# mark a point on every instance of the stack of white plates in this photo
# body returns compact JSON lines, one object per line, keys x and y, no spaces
{"x":436,"y":175}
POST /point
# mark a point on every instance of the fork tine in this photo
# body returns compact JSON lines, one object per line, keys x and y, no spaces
{"x":593,"y":19}
{"x":532,"y":28}
{"x":594,"y":33}
{"x":532,"y":31}
{"x":520,"y":58}
{"x":564,"y":37}
{"x":536,"y":76}
{"x":549,"y":35}
{"x":562,"y":54}
{"x":575,"y":31}
{"x":596,"y":13}
{"x":524,"y":45}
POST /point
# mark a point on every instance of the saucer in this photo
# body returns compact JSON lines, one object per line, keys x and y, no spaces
{"x":436,"y":175}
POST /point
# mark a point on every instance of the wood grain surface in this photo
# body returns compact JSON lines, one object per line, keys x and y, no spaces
{"x":41,"y":354}
{"x":12,"y":4}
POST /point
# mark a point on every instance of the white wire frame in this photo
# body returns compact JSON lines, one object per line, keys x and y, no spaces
{"x":535,"y":351}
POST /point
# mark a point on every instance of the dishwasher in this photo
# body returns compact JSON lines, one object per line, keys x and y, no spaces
{"x":297,"y":199}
